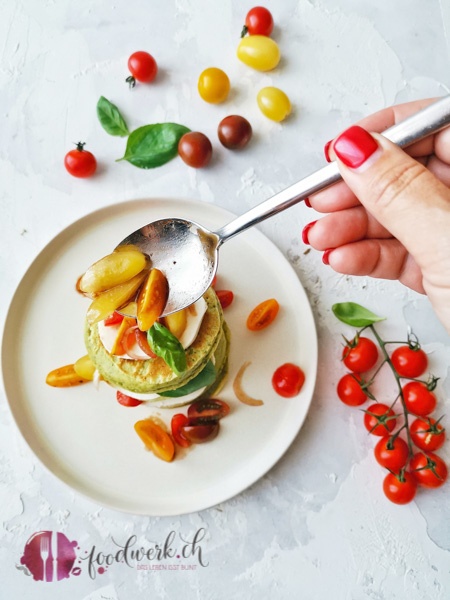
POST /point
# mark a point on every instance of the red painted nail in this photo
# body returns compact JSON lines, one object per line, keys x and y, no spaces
{"x":354,"y":146}
{"x":326,"y":151}
{"x":307,"y":202}
{"x":305,"y":232}
{"x":325,"y":256}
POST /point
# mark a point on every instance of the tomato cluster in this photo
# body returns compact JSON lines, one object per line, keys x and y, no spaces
{"x":407,"y":467}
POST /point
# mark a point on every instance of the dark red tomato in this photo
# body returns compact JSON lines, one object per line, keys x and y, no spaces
{"x":142,"y":67}
{"x":195,"y":149}
{"x":114,"y":319}
{"x":427,"y":434}
{"x":418,"y":399}
{"x":197,"y":434}
{"x":226,"y":297}
{"x":400,"y":490}
{"x":361,"y":355}
{"x":392,"y":454}
{"x":379,"y":419}
{"x":258,"y":21}
{"x":349,"y":390}
{"x":80,"y":162}
{"x":409,"y":362}
{"x":178,"y":421}
{"x":429,"y":469}
{"x":208,"y":410}
{"x":288,"y":380}
{"x":125,"y":400}
{"x":141,"y":339}
{"x":234,"y":132}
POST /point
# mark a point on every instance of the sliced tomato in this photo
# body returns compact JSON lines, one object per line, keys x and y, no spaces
{"x":263,"y":315}
{"x":226,"y":297}
{"x":114,"y":319}
{"x":156,"y":439}
{"x":198,"y":434}
{"x":208,"y":410}
{"x":125,"y":400}
{"x":143,"y":344}
{"x":178,"y":421}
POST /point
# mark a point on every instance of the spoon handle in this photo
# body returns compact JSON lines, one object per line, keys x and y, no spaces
{"x":431,"y":119}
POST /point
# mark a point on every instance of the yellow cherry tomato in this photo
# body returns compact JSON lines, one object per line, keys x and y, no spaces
{"x":259,"y":52}
{"x":273,"y":103}
{"x":213,"y":85}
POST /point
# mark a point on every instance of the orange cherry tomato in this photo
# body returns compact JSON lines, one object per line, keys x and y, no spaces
{"x":156,"y":439}
{"x":263,"y":315}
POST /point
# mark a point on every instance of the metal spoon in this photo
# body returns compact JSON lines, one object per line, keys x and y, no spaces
{"x":187,"y":253}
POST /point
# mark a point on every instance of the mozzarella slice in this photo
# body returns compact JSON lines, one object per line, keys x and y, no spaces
{"x":150,"y":397}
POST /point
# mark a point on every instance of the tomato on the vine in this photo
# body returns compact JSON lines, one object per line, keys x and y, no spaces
{"x":360,"y":355}
{"x":350,"y":391}
{"x":195,"y":149}
{"x":142,"y":67}
{"x":409,"y":362}
{"x":213,"y":85}
{"x":259,"y":21}
{"x":418,"y":398}
{"x":288,"y":380}
{"x":429,"y":469}
{"x":392,"y":453}
{"x":427,"y":434}
{"x":400,"y":489}
{"x":80,"y":162}
{"x":379,"y":419}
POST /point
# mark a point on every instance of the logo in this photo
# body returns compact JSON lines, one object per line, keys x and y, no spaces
{"x":49,"y":556}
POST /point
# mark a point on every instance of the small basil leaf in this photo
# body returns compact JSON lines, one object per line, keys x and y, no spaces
{"x":165,"y":344}
{"x":153,"y":145}
{"x":203,"y":379}
{"x":354,"y":314}
{"x":110,"y":118}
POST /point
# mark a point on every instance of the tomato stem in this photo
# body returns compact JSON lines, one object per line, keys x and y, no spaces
{"x":131,"y":81}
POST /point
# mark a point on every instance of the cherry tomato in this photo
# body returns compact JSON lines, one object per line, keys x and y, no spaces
{"x":400,"y":489}
{"x":142,"y":67}
{"x":226,"y":297}
{"x":273,"y":103}
{"x":258,"y":21}
{"x":125,"y":400}
{"x":409,"y":362}
{"x":80,"y":162}
{"x":288,"y":380}
{"x":178,"y":421}
{"x":155,"y":439}
{"x":392,"y":454}
{"x":200,"y":433}
{"x":427,"y":434}
{"x":114,"y":319}
{"x":234,"y":132}
{"x":263,"y":315}
{"x":259,"y":52}
{"x":141,"y":339}
{"x":195,"y":149}
{"x":208,"y":410}
{"x":213,"y":85}
{"x":350,"y":391}
{"x":429,"y":469}
{"x":379,"y":419}
{"x":418,"y":399}
{"x":361,"y":355}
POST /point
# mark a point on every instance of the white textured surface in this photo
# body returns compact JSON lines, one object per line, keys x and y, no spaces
{"x":317,"y":526}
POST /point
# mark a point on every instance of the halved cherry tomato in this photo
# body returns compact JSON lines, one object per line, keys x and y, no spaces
{"x":379,"y":419}
{"x":226,"y":297}
{"x":427,"y":434}
{"x":156,"y":439}
{"x":360,"y":355}
{"x":64,"y":377}
{"x":125,"y":400}
{"x":208,"y":410}
{"x":114,"y":319}
{"x":418,"y":398}
{"x":152,"y":299}
{"x":263,"y":315}
{"x":143,"y":344}
{"x":400,"y":489}
{"x":288,"y":380}
{"x":429,"y":469}
{"x":409,"y":362}
{"x":198,"y":434}
{"x":178,"y":421}
{"x":392,"y":454}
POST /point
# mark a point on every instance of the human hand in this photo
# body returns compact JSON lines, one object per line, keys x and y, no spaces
{"x":390,"y":218}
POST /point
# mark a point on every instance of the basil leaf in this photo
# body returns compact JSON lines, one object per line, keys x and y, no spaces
{"x":110,"y":118}
{"x":203,"y":379}
{"x":153,"y":145}
{"x":354,"y":314}
{"x":165,"y":344}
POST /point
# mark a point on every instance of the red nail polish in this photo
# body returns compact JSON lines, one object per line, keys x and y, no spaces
{"x":354,"y":146}
{"x":307,"y":202}
{"x":325,"y":256}
{"x":305,"y":231}
{"x":326,"y":151}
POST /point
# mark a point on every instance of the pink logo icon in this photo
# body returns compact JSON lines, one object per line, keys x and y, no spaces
{"x":50,"y":556}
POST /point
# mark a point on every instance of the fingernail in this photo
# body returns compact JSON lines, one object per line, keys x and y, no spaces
{"x":326,"y":151}
{"x":305,"y":232}
{"x":354,"y":146}
{"x":307,"y":202}
{"x":325,"y":256}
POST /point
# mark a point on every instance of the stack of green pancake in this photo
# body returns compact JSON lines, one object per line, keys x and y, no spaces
{"x":208,"y":351}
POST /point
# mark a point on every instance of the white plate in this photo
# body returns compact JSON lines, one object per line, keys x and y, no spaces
{"x":85,"y":438}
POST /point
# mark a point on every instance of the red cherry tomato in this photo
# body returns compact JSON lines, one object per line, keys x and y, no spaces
{"x":400,"y":490}
{"x":80,"y":162}
{"x":114,"y":319}
{"x":208,"y":410}
{"x":429,"y":469}
{"x":379,"y":419}
{"x":409,"y":362}
{"x":349,"y":390}
{"x":234,"y":132}
{"x":125,"y":400}
{"x":198,"y":434}
{"x":195,"y":149}
{"x":418,"y":399}
{"x":392,"y":454}
{"x":361,"y":355}
{"x":288,"y":380}
{"x":427,"y":434}
{"x":225,"y":297}
{"x":142,"y":67}
{"x":178,"y":421}
{"x":141,"y":339}
{"x":258,"y":21}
